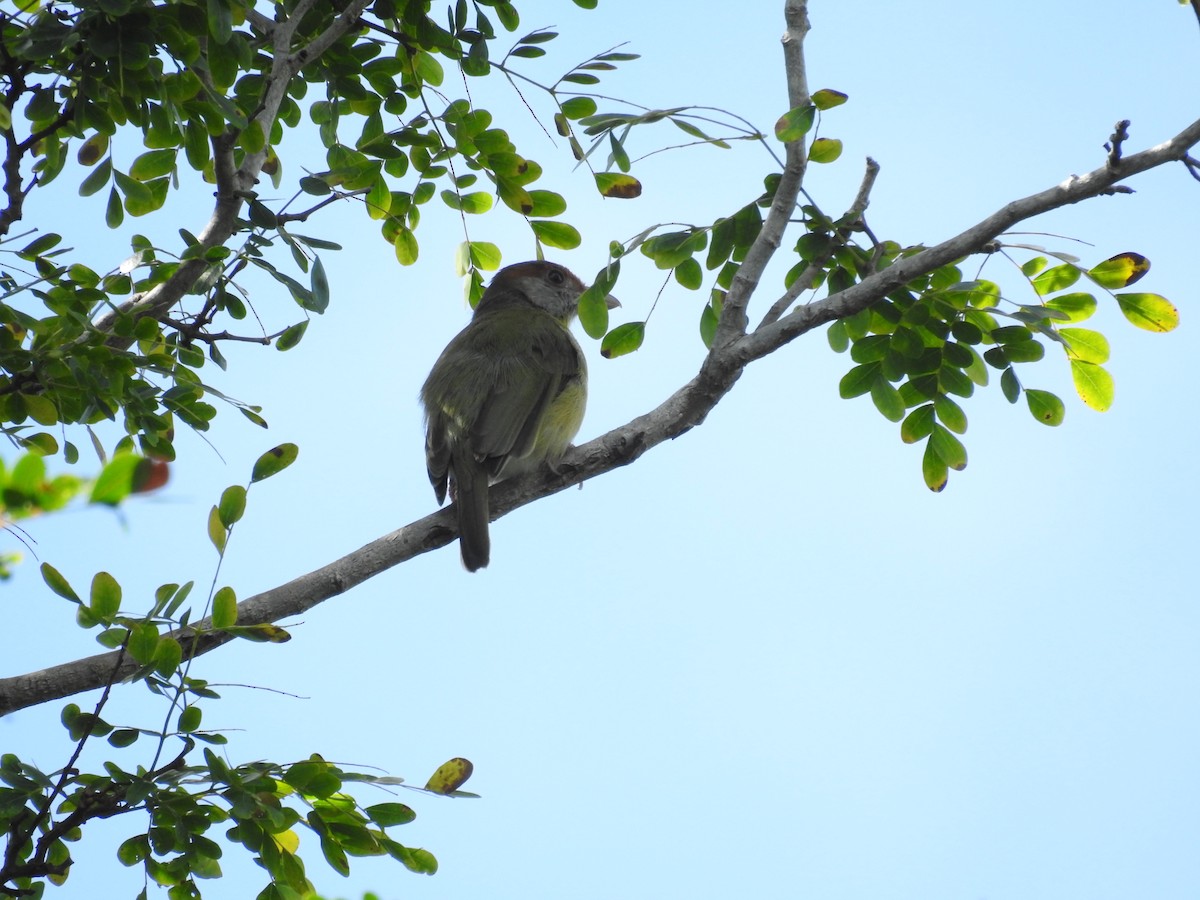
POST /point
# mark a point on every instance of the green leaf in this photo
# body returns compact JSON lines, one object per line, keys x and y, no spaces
{"x":143,"y":642}
{"x":1056,"y":279}
{"x":1119,"y":271}
{"x":220,"y":20}
{"x":618,"y":185}
{"x":545,"y":203}
{"x":57,"y":583}
{"x":1078,"y":306}
{"x":556,"y":234}
{"x":189,"y":719}
{"x":623,"y":339}
{"x":97,"y":178}
{"x":274,"y":461}
{"x":388,"y":814}
{"x":825,"y":150}
{"x":406,"y":246}
{"x":689,"y":274}
{"x":319,"y":283}
{"x":105,"y":599}
{"x":168,"y":656}
{"x":858,"y":381}
{"x":115,"y":481}
{"x":795,"y":123}
{"x":1093,"y":383}
{"x":593,"y":310}
{"x":124,"y":737}
{"x":1031,"y":267}
{"x":578,"y":107}
{"x":1010,"y":385}
{"x":839,"y":340}
{"x":887,"y":399}
{"x":216,"y":531}
{"x":1045,"y":407}
{"x":828,"y":99}
{"x":948,"y":448}
{"x":291,"y":336}
{"x":1149,"y":312}
{"x":232,"y":505}
{"x":114,"y":213}
{"x":485,"y":256}
{"x":153,"y":164}
{"x":933,"y":469}
{"x":224,"y":610}
{"x":1085,"y":345}
{"x":709,"y":320}
{"x":950,"y":414}
{"x":918,"y":425}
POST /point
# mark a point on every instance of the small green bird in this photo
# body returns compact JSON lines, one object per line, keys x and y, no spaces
{"x":507,"y":394}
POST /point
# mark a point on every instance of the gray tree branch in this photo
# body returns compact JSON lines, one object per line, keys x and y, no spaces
{"x":683,"y":410}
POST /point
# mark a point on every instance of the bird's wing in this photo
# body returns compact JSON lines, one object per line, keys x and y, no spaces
{"x":529,"y":376}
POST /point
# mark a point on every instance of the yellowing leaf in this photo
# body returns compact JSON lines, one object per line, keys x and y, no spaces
{"x":1120,"y":271}
{"x":827,"y":98}
{"x":825,"y":150}
{"x":1149,"y":311}
{"x":1093,"y":383}
{"x":1085,"y":345}
{"x":288,"y":841}
{"x":795,"y":123}
{"x":450,"y":776}
{"x":618,"y":185}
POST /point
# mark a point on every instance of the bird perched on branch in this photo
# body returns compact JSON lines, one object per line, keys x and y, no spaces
{"x":507,"y":394}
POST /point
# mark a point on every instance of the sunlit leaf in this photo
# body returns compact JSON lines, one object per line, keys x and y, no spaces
{"x":450,"y":776}
{"x":1119,"y":271}
{"x":557,"y":234}
{"x":1045,"y":407}
{"x":1086,"y":345}
{"x":1093,"y":383}
{"x":1078,"y":306}
{"x":825,"y":150}
{"x":1149,"y":311}
{"x":1058,"y":278}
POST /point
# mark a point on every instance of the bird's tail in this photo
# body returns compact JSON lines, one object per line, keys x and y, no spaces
{"x":471,"y":503}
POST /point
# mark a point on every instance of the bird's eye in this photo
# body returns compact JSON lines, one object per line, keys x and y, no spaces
{"x":555,"y":276}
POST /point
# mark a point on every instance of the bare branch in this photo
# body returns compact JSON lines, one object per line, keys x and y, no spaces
{"x":806,"y":279}
{"x":1119,"y":136}
{"x":733,"y":314}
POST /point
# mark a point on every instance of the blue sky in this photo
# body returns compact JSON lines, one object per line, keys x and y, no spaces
{"x":764,"y":661}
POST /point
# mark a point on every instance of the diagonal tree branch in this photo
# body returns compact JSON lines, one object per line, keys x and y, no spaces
{"x":682,"y":411}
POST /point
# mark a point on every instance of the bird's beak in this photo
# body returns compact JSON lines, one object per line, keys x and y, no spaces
{"x":611,"y":302}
